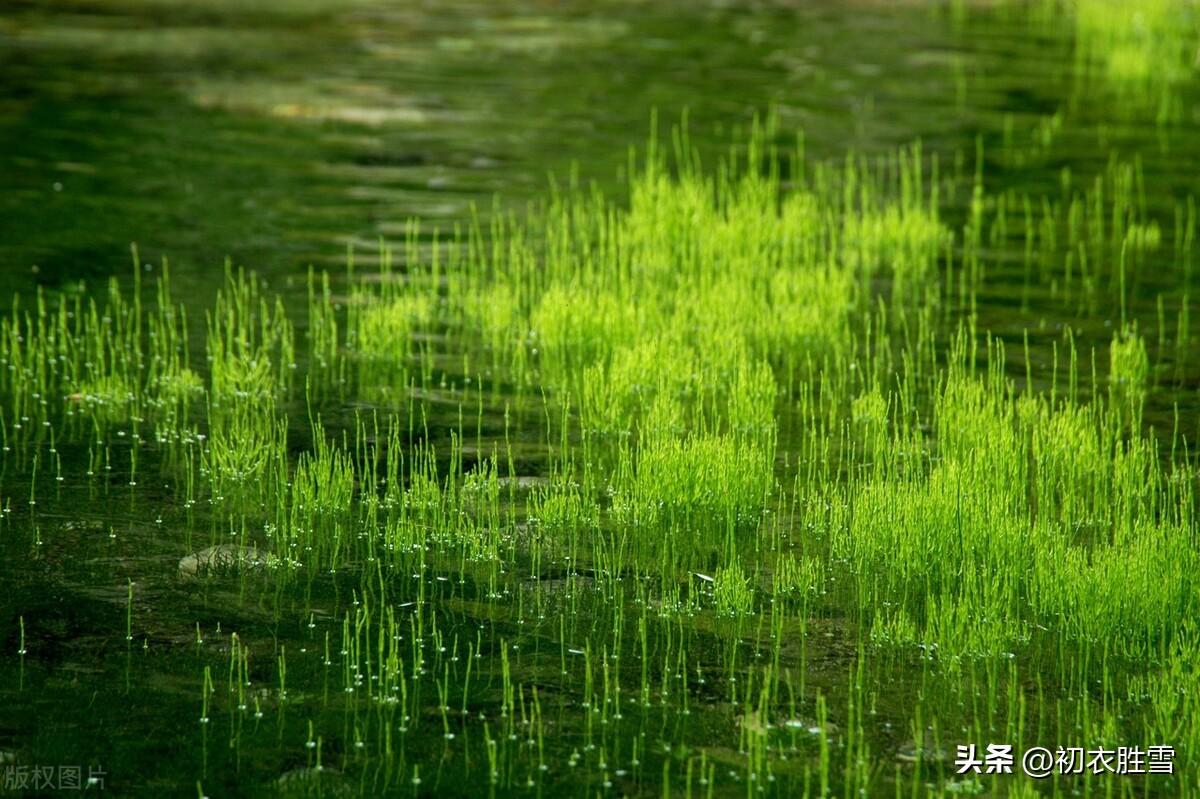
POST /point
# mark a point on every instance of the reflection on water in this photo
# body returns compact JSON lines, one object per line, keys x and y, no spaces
{"x":278,"y":135}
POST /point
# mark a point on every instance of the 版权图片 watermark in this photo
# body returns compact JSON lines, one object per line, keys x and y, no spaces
{"x":19,"y":778}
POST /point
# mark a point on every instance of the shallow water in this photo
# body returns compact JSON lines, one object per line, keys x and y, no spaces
{"x":278,"y":136}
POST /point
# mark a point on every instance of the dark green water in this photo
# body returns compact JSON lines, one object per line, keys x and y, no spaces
{"x":279,"y":134}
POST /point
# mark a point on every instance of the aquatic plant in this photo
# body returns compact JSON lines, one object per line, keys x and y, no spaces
{"x":697,"y":488}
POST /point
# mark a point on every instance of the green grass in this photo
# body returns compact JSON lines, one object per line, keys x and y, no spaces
{"x":1145,"y":48}
{"x":714,"y":486}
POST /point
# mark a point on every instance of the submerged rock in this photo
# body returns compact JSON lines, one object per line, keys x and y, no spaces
{"x":927,"y":752}
{"x":313,"y":781}
{"x":475,"y":492}
{"x":223,"y":557}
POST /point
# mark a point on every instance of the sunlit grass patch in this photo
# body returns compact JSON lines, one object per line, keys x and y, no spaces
{"x":688,"y":497}
{"x":1132,"y":596}
{"x":382,"y":330}
{"x":1145,"y":49}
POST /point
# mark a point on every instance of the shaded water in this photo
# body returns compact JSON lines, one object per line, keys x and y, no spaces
{"x":278,"y":135}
